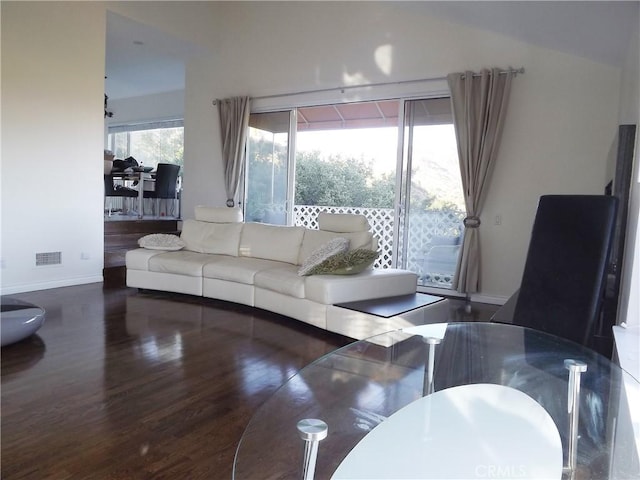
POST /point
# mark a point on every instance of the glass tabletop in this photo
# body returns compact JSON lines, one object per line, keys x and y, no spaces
{"x":358,"y":387}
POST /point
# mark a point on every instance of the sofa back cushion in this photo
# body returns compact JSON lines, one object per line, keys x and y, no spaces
{"x":314,"y":239}
{"x":218,"y":214}
{"x":271,"y":242}
{"x":343,"y":222}
{"x":217,"y":238}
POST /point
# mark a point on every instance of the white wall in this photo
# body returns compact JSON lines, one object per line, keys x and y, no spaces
{"x":52,"y":142}
{"x":629,"y":301}
{"x":561,"y":123}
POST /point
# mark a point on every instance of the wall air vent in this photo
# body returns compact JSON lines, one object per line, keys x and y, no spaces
{"x":48,"y":258}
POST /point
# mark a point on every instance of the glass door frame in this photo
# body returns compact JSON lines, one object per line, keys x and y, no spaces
{"x":402,"y":226}
{"x":291,"y":165}
{"x":290,"y":188}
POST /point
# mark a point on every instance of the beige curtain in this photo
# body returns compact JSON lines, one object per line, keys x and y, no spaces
{"x":479,"y":102}
{"x":234,"y":125}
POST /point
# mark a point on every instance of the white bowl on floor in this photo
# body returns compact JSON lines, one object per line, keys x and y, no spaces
{"x":18,"y":320}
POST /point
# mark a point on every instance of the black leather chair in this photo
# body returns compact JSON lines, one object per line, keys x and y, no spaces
{"x":166,"y":184}
{"x":564,"y":277}
{"x":110,"y":190}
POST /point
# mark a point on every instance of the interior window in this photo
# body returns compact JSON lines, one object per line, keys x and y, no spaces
{"x":149,"y":143}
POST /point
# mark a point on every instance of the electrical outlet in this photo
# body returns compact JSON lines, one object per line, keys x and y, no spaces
{"x":85,"y":256}
{"x":498,"y":220}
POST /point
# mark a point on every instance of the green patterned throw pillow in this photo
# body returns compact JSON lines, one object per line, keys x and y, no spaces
{"x":319,"y":255}
{"x":346,"y":263}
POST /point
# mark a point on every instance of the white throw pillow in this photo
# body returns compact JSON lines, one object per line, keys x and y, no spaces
{"x":329,"y":249}
{"x":161,"y":241}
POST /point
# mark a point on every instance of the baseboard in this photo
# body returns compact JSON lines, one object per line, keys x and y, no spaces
{"x":67,"y":282}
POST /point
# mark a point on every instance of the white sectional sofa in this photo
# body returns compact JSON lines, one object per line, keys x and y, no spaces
{"x":257,"y":265}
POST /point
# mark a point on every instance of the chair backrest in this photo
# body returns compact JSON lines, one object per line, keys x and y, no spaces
{"x":565,"y":270}
{"x":166,"y":180}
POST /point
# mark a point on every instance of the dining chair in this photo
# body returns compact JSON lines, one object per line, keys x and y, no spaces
{"x":110,"y":191}
{"x":166,"y":183}
{"x":565,"y":272}
{"x":561,"y":293}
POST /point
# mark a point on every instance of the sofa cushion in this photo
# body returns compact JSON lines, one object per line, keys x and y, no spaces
{"x":238,"y":269}
{"x":284,"y":279}
{"x":271,"y":242}
{"x":138,"y":259}
{"x":314,"y":239}
{"x":218,"y":214}
{"x":342,"y":222}
{"x":373,"y":283}
{"x":345,"y":263}
{"x":215,"y":238}
{"x":182,"y":262}
{"x":322,"y":253}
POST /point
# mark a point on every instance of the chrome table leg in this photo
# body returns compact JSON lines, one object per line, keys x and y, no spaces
{"x":311,"y":430}
{"x":576,"y":368}
{"x":427,"y":388}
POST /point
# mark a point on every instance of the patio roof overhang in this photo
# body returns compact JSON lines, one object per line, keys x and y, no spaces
{"x":375,"y":114}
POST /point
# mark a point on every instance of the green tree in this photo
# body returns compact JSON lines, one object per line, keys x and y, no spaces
{"x":338,"y":181}
{"x":334,"y":180}
{"x":382,"y":191}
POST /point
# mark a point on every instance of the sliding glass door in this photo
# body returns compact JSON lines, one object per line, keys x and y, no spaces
{"x":267,"y":182}
{"x":346,"y":158}
{"x":432,"y":201}
{"x":393,"y":161}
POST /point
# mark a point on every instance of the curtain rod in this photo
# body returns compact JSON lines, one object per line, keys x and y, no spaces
{"x":515,"y":71}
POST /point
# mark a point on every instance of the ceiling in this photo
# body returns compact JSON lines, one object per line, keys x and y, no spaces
{"x":598,"y":30}
{"x":142,"y":60}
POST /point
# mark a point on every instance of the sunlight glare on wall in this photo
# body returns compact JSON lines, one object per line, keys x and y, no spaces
{"x":384,"y":58}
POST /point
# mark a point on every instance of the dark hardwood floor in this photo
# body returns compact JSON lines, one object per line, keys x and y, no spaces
{"x":119,"y":384}
{"x":122,"y":385}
